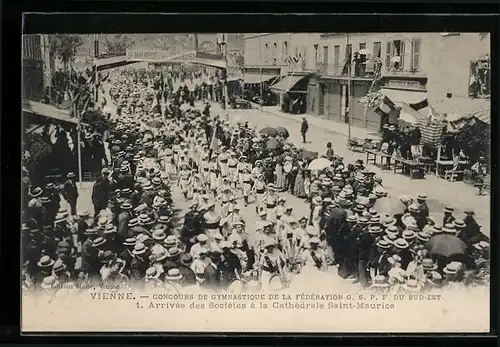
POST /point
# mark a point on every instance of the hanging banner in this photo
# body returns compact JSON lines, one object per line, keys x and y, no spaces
{"x":159,"y":56}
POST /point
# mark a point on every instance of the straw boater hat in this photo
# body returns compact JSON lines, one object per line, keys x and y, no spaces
{"x":90,"y":232}
{"x":133,"y":222}
{"x":423,"y":236}
{"x":448,"y":209}
{"x":409,"y":234}
{"x":98,"y":242}
{"x":130,"y":241}
{"x":152,"y":273}
{"x":110,"y":229}
{"x":437,"y":229}
{"x":428,"y":264}
{"x":173,"y":252}
{"x":421,"y":197}
{"x":139,"y":248}
{"x":380,"y":282}
{"x":158,"y":253}
{"x":413,"y":286}
{"x":449,"y":229}
{"x":459,"y":224}
{"x":401,"y":243}
{"x":159,"y":235}
{"x":352,"y":219}
{"x":173,"y":275}
{"x":384,"y":244}
{"x":375,"y":229}
{"x":186,"y":259}
{"x":45,"y":262}
{"x":452,"y":268}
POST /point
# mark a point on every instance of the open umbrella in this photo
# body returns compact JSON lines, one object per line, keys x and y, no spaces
{"x":268,"y":131}
{"x":389,"y":205}
{"x":283,"y":132}
{"x":272,"y":144}
{"x":319,"y":164}
{"x":445,"y":245}
{"x":308,"y":155}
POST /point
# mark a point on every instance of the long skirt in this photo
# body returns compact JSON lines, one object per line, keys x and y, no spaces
{"x":280,"y":179}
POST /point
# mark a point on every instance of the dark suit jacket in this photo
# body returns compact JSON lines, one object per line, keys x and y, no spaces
{"x":212,"y":277}
{"x":188,"y":276}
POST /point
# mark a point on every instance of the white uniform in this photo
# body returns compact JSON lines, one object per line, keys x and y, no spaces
{"x":232,"y":165}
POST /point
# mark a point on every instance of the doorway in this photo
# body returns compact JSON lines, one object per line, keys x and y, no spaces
{"x":344,"y":104}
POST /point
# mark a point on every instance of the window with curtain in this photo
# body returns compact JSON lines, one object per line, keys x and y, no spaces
{"x":395,"y":53}
{"x":275,"y":50}
{"x":362,"y":46}
{"x":285,"y":49}
{"x":266,"y":50}
{"x":316,"y":54}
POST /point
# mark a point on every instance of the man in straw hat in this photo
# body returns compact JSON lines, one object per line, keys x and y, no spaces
{"x":70,"y":192}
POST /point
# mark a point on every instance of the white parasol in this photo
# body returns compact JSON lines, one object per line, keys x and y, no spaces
{"x":319,"y":164}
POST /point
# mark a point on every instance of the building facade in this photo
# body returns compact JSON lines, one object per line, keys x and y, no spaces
{"x":33,"y":67}
{"x":408,"y":67}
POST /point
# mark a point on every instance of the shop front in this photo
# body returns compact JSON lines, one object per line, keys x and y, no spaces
{"x":257,"y":84}
{"x":293,"y":90}
{"x":406,"y":93}
{"x":329,"y":98}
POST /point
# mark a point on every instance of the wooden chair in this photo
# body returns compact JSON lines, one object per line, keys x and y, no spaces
{"x":454,"y":174}
{"x":485,"y":185}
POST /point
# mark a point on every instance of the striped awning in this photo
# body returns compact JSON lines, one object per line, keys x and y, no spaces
{"x":462,"y":108}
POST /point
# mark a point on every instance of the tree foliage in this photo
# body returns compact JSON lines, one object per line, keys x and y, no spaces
{"x":65,"y":46}
{"x":38,"y":146}
{"x":474,"y":140}
{"x":118,"y":43}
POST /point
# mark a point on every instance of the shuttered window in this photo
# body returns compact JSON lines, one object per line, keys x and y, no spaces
{"x":388,"y":54}
{"x":415,"y":54}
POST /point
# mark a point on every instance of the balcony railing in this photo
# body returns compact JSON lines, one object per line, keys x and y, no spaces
{"x":334,"y":70}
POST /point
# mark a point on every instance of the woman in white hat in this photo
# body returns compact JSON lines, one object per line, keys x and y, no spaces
{"x":245,"y":177}
{"x":259,"y":190}
{"x":314,"y":257}
{"x":183,"y":180}
{"x":270,"y":202}
{"x":213,"y":181}
{"x":271,"y":262}
{"x":316,"y":213}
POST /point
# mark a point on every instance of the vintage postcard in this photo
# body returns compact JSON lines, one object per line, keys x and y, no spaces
{"x":256,"y":182}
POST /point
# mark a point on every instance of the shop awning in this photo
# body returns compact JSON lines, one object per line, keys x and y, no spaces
{"x":48,"y":111}
{"x":406,"y":96}
{"x":255,"y":77}
{"x":458,"y":108}
{"x":287,"y":83}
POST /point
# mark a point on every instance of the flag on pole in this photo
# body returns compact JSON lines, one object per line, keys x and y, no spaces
{"x":214,"y":143}
{"x":386,"y":105}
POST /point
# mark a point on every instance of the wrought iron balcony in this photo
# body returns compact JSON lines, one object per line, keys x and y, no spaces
{"x":336,"y":70}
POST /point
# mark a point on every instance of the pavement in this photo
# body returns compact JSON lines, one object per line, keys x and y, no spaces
{"x":440,"y":192}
